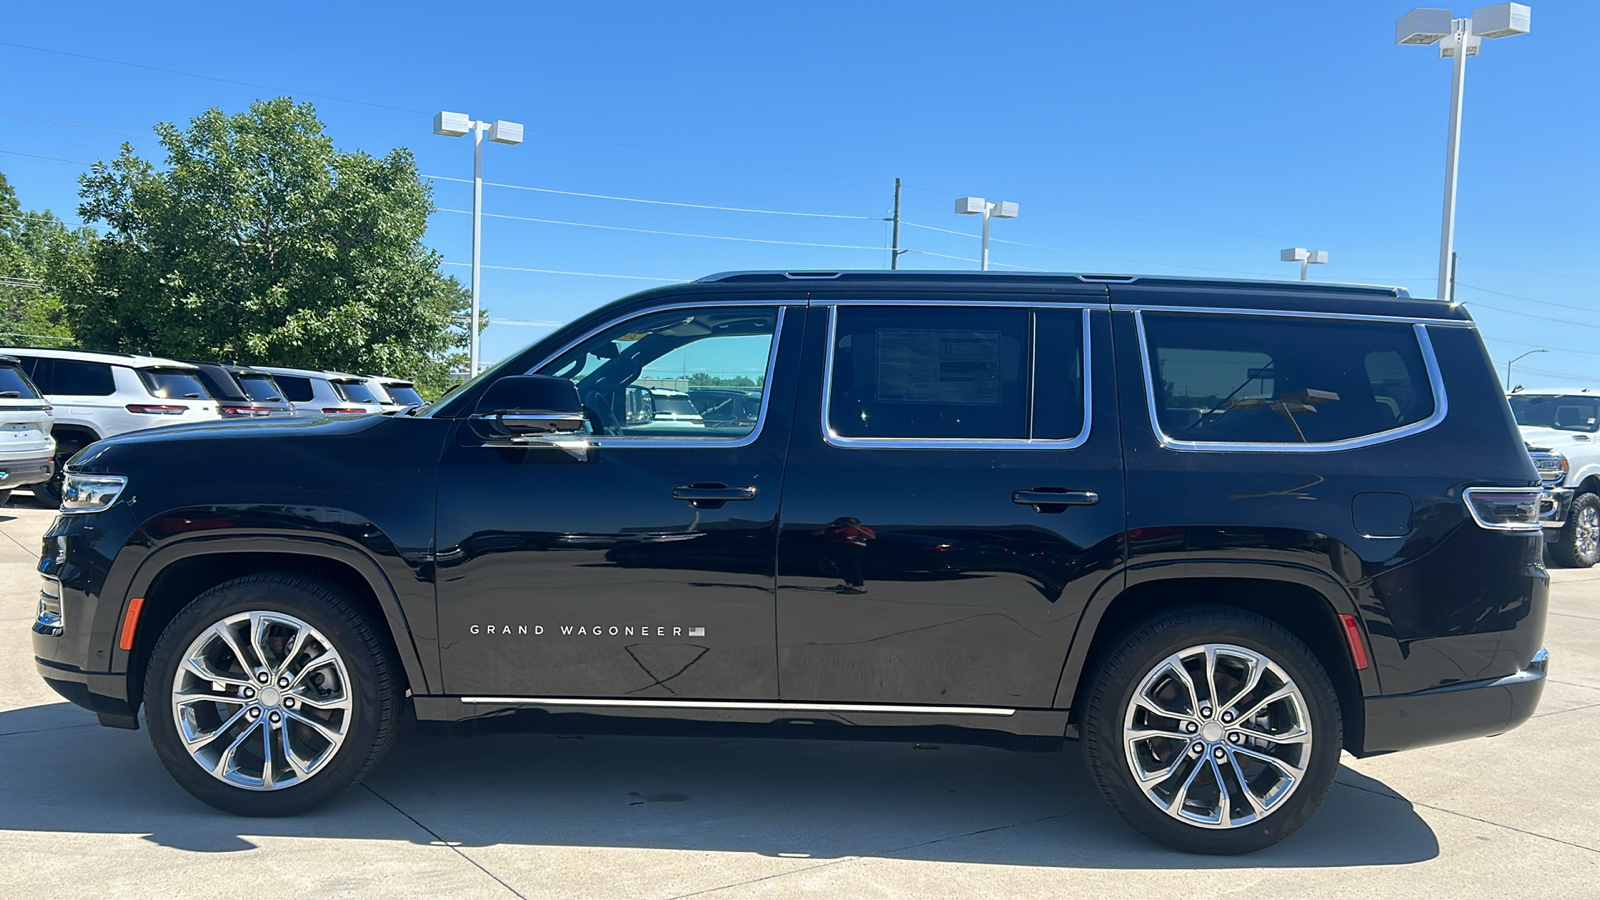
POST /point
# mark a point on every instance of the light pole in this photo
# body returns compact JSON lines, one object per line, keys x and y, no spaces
{"x":1457,"y":40}
{"x":1514,"y":359}
{"x":1304,"y":257}
{"x":500,"y":131}
{"x":1000,"y":209}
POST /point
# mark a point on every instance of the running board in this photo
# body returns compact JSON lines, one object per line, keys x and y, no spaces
{"x":857,"y":708}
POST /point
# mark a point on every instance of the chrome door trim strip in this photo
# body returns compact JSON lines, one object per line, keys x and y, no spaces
{"x":833,"y":438}
{"x":1441,"y":406}
{"x":776,"y":706}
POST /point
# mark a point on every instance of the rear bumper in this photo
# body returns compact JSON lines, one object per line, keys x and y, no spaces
{"x":1453,"y":712}
{"x":15,"y":473}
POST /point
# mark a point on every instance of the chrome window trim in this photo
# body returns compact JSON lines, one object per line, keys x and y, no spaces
{"x":1139,"y":308}
{"x":835,"y":439}
{"x":624,"y":441}
{"x":1441,"y":403}
{"x":745,"y":704}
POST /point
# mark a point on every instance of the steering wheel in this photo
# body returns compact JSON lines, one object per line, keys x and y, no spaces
{"x":597,"y":403}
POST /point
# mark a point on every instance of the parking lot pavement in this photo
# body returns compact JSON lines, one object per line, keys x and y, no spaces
{"x":87,"y":811}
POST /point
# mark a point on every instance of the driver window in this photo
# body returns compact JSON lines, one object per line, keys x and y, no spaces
{"x":689,"y":373}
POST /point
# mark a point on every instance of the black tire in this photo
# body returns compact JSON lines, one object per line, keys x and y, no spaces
{"x":1582,"y":521}
{"x":1140,"y":652}
{"x":5,"y":496}
{"x":374,"y":685}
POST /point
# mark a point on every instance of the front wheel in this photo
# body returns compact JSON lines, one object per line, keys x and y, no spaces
{"x":1212,"y":730}
{"x":270,"y":694}
{"x":1579,"y":542}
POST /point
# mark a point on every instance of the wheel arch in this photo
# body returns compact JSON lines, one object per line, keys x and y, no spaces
{"x":174,"y":575}
{"x":1304,"y":601}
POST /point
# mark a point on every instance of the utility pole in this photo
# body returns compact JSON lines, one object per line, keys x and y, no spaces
{"x":894,"y":245}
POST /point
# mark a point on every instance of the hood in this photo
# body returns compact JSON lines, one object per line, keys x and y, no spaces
{"x":1556,"y":438}
{"x":233,"y":436}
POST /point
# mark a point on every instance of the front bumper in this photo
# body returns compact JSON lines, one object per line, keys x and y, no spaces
{"x":103,"y":693}
{"x":1454,"y":712}
{"x":26,"y":471}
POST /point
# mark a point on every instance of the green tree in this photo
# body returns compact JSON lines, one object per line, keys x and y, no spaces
{"x":257,"y":241}
{"x":30,"y":311}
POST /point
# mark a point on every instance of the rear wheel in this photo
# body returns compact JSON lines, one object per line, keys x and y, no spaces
{"x":270,"y":694}
{"x":1579,"y":543}
{"x":5,"y":496}
{"x":49,"y":492}
{"x":1212,"y":730}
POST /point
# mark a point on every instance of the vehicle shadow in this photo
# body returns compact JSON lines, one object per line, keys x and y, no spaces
{"x":797,"y":799}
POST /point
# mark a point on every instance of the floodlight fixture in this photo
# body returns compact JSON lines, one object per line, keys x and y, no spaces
{"x":451,"y":124}
{"x":1304,"y":257}
{"x":1458,"y":38}
{"x":975,"y":206}
{"x":503,"y":132}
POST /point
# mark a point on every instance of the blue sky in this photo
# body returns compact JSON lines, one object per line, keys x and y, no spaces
{"x":1174,"y":138}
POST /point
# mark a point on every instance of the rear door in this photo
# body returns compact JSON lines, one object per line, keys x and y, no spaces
{"x":953,"y":497}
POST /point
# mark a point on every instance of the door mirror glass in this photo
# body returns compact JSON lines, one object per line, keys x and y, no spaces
{"x":640,"y":407}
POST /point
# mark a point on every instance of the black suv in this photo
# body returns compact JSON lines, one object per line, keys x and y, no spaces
{"x":1214,"y":531}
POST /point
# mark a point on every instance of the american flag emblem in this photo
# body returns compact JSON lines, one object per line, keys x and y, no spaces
{"x":697,"y":631}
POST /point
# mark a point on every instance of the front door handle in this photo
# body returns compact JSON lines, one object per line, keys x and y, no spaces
{"x":711,"y":495}
{"x":1054,"y":500}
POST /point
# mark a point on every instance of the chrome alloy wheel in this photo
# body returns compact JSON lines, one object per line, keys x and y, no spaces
{"x":262,"y":700}
{"x":1588,"y":531}
{"x":1217,"y":736}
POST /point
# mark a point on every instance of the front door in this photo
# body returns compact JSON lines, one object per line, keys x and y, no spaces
{"x":643,"y":567}
{"x":953,"y":498}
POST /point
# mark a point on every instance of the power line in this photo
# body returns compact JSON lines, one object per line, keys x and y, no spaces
{"x":77,"y":125}
{"x":1529,"y":299}
{"x":1557,"y":374}
{"x":77,"y":162}
{"x":1528,"y":315}
{"x":1141,"y":262}
{"x":1501,"y":340}
{"x":711,"y":237}
{"x":770,"y":212}
{"x":561,"y":272}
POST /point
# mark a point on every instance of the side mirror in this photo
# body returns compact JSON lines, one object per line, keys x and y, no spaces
{"x":530,"y":406}
{"x":641,"y":406}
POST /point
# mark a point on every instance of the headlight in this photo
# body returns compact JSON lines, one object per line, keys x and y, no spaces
{"x":90,"y":493}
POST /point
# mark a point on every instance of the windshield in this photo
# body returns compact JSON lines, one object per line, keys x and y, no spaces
{"x":354,"y":391}
{"x":261,"y":387}
{"x":403,"y":394}
{"x":14,"y":385}
{"x":173,"y":384}
{"x":1567,"y":412}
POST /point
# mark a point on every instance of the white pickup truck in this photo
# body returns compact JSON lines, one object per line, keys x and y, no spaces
{"x":1562,"y":430}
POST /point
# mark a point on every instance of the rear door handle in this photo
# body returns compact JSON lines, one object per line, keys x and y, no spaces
{"x":1047,"y":500}
{"x":711,"y":495}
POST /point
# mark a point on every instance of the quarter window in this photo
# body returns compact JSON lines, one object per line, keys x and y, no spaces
{"x":954,"y":373}
{"x":74,"y":377}
{"x":1265,"y":379}
{"x":296,"y":389}
{"x":697,"y":374}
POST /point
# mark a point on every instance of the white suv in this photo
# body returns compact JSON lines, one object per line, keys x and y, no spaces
{"x":97,"y":395}
{"x":313,"y":393}
{"x":27,"y":452}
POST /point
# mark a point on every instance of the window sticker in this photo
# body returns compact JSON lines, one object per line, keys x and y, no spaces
{"x":948,"y":366}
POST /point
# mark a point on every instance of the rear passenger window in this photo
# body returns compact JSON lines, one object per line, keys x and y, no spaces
{"x":76,"y":377}
{"x":295,"y":388}
{"x":978,"y":374}
{"x":1266,"y":379}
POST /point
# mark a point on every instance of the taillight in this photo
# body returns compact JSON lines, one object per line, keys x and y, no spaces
{"x":157,"y":410}
{"x":247,"y":410}
{"x":343,"y":409}
{"x":1505,"y":509}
